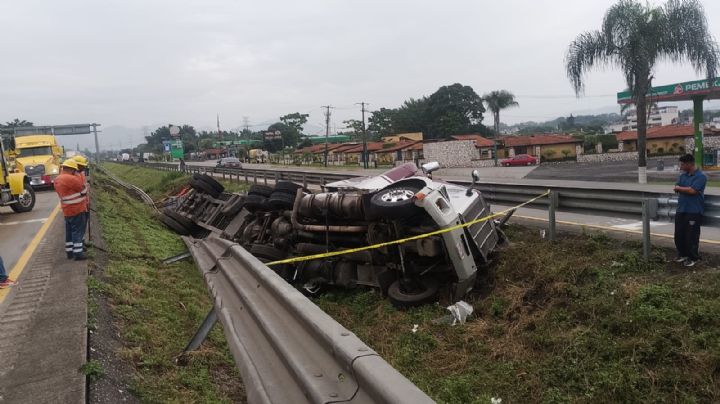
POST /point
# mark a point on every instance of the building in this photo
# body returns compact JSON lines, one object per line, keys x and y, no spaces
{"x":660,"y":139}
{"x":353,"y":155}
{"x":547,"y":147}
{"x":485,"y":146}
{"x":403,"y":152}
{"x":659,"y":116}
{"x":403,"y":137}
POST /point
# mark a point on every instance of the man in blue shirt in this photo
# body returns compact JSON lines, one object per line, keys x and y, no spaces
{"x":690,"y":188}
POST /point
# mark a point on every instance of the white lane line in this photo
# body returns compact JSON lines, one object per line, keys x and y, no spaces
{"x":638,"y":225}
{"x":24,"y":222}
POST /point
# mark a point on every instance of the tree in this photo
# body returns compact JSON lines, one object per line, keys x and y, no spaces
{"x":18,"y":123}
{"x":635,"y":36}
{"x":381,"y":121}
{"x":187,"y":134}
{"x":453,"y":110}
{"x":498,"y":100}
{"x":356,"y":128}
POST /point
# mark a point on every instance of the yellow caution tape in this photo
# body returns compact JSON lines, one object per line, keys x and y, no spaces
{"x":400,"y":241}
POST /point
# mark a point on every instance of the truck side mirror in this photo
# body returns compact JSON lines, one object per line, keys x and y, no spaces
{"x":475,"y":179}
{"x":428,"y":168}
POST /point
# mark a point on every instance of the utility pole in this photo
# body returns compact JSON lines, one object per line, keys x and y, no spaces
{"x":365,"y":150}
{"x":327,"y":130}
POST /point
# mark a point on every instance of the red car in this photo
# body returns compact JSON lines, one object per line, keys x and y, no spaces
{"x":519,"y":160}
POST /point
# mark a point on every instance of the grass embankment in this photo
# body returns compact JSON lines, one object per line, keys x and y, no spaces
{"x":157,"y":307}
{"x":158,"y":183}
{"x":582,"y":320}
{"x":585,"y":319}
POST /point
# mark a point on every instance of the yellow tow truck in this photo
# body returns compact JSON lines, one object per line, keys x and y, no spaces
{"x":39,"y":157}
{"x":15,"y":188}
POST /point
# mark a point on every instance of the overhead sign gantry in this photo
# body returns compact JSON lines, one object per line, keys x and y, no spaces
{"x":59,"y":130}
{"x":696,"y":91}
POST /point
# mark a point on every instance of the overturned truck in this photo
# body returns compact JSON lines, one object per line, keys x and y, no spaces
{"x":287,"y":220}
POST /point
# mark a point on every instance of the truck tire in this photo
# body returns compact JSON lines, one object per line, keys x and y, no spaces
{"x":256,"y":202}
{"x":26,"y":200}
{"x":210,"y":181}
{"x":176,"y":216}
{"x":401,"y":298}
{"x":281,"y":201}
{"x":260,"y":190}
{"x":267,"y":252}
{"x":204,"y":187}
{"x":174,"y":225}
{"x":395,"y":202}
{"x":287,"y":187}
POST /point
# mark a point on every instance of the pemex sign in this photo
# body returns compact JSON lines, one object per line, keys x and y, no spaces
{"x":678,"y":91}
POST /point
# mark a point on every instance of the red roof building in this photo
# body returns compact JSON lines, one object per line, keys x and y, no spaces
{"x":480,"y":142}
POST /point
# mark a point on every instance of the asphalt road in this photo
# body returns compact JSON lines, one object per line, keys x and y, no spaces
{"x":18,"y":229}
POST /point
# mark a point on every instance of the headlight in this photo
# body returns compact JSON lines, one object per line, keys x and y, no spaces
{"x":54,"y":170}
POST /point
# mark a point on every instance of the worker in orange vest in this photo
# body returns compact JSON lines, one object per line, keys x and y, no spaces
{"x":72,"y":192}
{"x":82,"y":162}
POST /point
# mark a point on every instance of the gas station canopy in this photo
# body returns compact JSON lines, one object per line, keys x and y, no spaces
{"x":678,"y":92}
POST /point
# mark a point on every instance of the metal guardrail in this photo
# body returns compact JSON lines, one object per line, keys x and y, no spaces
{"x":287,"y":349}
{"x":579,"y":200}
{"x":130,"y":187}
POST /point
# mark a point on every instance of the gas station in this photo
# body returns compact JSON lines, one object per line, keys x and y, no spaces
{"x":696,"y":91}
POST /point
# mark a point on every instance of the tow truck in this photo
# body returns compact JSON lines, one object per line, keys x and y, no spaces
{"x":15,"y":188}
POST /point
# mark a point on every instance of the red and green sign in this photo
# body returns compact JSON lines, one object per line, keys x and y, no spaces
{"x":678,"y":92}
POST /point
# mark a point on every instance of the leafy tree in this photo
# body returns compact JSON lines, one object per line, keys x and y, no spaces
{"x":453,"y":110}
{"x":381,"y":121}
{"x":295,"y":121}
{"x":17,"y":123}
{"x":187,"y":134}
{"x":356,"y":128}
{"x":635,"y":36}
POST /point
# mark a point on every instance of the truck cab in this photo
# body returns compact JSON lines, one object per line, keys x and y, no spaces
{"x":15,"y":188}
{"x":38,"y":156}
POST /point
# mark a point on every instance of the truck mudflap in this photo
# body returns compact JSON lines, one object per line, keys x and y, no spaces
{"x":17,"y":183}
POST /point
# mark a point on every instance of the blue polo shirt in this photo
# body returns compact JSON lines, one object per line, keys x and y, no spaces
{"x":692,"y":203}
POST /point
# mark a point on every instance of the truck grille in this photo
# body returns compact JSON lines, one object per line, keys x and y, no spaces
{"x":484,"y":232}
{"x":35,"y":170}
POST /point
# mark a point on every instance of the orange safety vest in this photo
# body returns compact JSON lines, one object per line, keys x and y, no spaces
{"x":72,"y":192}
{"x":87,"y":190}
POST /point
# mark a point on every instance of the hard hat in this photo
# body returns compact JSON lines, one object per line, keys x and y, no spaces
{"x":70,"y":163}
{"x":81,"y":160}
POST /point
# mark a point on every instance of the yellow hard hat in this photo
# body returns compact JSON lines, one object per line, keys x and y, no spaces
{"x":81,"y":160}
{"x":70,"y":163}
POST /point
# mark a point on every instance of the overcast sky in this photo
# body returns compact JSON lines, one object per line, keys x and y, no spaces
{"x":136,"y":63}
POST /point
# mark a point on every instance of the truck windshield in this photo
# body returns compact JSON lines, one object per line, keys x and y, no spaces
{"x":35,"y":151}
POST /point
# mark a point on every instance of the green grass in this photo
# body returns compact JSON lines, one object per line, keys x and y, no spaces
{"x":582,"y":320}
{"x":157,"y":307}
{"x":159,"y":183}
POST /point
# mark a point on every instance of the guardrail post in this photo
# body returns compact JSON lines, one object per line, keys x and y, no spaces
{"x":304,"y":180}
{"x":553,"y":200}
{"x":246,"y":178}
{"x":201,"y":334}
{"x":646,"y":214}
{"x":255,"y":177}
{"x":265,"y":177}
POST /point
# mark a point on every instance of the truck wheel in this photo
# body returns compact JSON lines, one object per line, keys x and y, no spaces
{"x":395,"y":202}
{"x":413,"y":293}
{"x":210,"y":181}
{"x":174,"y":225}
{"x":260,"y":190}
{"x":287,"y":187}
{"x":26,"y":200}
{"x":184,"y":221}
{"x":204,"y":187}
{"x":255,"y":202}
{"x":281,"y":201}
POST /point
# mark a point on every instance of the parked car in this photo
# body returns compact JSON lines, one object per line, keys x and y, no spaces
{"x":519,"y":160}
{"x":229,"y":162}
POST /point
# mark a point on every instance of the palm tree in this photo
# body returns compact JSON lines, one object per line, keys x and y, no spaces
{"x":635,"y":36}
{"x":497,"y":100}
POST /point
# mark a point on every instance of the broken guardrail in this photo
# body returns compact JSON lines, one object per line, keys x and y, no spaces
{"x":287,"y":349}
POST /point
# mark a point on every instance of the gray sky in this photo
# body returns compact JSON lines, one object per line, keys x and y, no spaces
{"x":133,"y":63}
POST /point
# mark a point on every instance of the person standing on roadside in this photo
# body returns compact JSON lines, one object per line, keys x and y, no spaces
{"x":70,"y":188}
{"x":690,"y":188}
{"x":83,"y":172}
{"x":5,"y":281}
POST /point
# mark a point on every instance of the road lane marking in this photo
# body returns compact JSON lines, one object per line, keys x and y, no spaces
{"x":595,"y":226}
{"x":24,"y":222}
{"x":25,"y":257}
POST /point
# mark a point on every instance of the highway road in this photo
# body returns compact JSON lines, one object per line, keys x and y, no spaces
{"x":18,"y":229}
